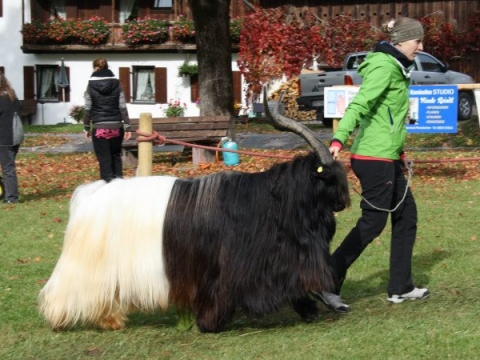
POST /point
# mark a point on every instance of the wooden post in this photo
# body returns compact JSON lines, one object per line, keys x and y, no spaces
{"x":145,"y":148}
{"x":335,"y":125}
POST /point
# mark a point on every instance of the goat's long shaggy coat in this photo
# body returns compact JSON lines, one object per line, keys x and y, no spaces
{"x":213,"y":245}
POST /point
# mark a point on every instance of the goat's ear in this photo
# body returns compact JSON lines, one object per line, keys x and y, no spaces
{"x":322,"y":172}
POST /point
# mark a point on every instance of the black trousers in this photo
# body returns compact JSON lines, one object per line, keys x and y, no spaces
{"x":383,"y":185}
{"x":109,"y":155}
{"x":9,"y":170}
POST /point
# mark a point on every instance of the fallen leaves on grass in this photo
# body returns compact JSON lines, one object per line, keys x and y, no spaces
{"x":42,"y":175}
{"x":45,"y":141}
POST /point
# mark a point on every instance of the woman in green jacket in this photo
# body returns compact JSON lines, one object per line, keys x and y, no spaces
{"x":379,"y":112}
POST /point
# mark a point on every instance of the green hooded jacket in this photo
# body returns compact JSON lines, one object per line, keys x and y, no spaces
{"x":379,"y":109}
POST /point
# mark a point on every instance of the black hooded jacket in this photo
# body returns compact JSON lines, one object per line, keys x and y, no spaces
{"x":105,"y":102}
{"x":7,"y":108}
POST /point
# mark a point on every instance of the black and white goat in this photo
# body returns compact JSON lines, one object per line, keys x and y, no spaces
{"x":211,"y":245}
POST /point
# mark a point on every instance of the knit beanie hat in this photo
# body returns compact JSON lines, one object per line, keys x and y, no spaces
{"x":406,"y":30}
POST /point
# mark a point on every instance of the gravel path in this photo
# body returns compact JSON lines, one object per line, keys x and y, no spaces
{"x":244,"y":140}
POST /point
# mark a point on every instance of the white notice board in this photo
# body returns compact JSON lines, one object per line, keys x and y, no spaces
{"x":337,"y":99}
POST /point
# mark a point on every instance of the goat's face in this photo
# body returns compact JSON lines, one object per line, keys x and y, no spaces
{"x":335,"y":185}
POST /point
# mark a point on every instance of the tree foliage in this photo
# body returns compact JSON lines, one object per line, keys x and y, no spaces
{"x":273,"y":43}
{"x":344,"y":34}
{"x":442,"y":37}
{"x":472,"y":38}
{"x":281,"y":41}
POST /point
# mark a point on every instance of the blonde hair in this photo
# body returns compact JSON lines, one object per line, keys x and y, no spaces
{"x":6,"y":88}
{"x":100,"y":63}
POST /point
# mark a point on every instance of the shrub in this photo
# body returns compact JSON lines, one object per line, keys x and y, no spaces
{"x":472,"y":38}
{"x":77,"y":112}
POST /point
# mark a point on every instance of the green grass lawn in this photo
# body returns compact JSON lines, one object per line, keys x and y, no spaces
{"x":445,"y":260}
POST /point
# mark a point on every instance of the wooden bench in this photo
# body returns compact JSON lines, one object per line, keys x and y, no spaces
{"x":29,"y":108}
{"x":204,"y":130}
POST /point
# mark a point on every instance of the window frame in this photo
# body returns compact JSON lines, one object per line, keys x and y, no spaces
{"x":162,"y":7}
{"x":39,"y":77}
{"x":135,"y":70}
{"x":60,"y":94}
{"x":126,"y":78}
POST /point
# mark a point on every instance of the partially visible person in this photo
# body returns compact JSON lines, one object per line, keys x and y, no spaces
{"x":9,"y":105}
{"x":380,"y":112}
{"x":106,"y":119}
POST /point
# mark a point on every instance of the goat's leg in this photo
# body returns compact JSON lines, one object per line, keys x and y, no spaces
{"x":306,"y":308}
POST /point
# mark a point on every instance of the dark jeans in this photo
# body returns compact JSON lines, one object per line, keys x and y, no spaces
{"x":109,"y":155}
{"x":7,"y":160}
{"x":383,"y":185}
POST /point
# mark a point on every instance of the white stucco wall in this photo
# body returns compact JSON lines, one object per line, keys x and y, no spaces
{"x":13,"y":60}
{"x":12,"y":57}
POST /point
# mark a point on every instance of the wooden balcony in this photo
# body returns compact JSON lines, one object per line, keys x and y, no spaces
{"x":114,"y":44}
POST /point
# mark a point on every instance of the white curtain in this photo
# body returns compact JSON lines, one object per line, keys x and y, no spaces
{"x":145,"y":85}
{"x":152,"y":83}
{"x":47,"y":83}
{"x":57,"y":9}
{"x":126,"y":7}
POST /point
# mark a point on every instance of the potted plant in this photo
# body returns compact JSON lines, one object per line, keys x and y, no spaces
{"x":94,"y":31}
{"x":77,"y":112}
{"x":187,"y":69}
{"x":174,"y":108}
{"x":145,"y":31}
{"x":183,"y":31}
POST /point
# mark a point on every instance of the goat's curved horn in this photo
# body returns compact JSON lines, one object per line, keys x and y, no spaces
{"x":284,"y":123}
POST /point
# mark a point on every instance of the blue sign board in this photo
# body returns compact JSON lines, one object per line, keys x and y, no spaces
{"x":433,"y":109}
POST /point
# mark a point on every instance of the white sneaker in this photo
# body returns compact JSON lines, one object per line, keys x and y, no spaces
{"x":415,"y":294}
{"x":332,"y":301}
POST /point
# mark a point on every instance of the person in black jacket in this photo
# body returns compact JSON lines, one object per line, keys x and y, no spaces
{"x":9,"y":104}
{"x":106,"y":119}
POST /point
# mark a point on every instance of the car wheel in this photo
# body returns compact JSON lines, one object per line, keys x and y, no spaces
{"x":464,"y":106}
{"x":326,"y":121}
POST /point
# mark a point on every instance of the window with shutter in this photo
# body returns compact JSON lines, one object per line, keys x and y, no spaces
{"x":148,"y":84}
{"x":237,"y":87}
{"x":162,"y":4}
{"x":194,"y":88}
{"x":47,"y":90}
{"x":124,"y":77}
{"x":28,"y":82}
{"x":161,"y":85}
{"x":143,"y":84}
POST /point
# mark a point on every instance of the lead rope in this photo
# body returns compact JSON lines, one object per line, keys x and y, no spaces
{"x":410,"y":173}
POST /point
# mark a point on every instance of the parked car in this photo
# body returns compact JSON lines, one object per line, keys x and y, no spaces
{"x":428,"y":71}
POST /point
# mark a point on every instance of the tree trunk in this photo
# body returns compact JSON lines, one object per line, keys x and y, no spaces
{"x":214,"y":55}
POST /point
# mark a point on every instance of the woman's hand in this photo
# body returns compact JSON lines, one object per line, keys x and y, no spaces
{"x":334,"y":150}
{"x":127,"y":135}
